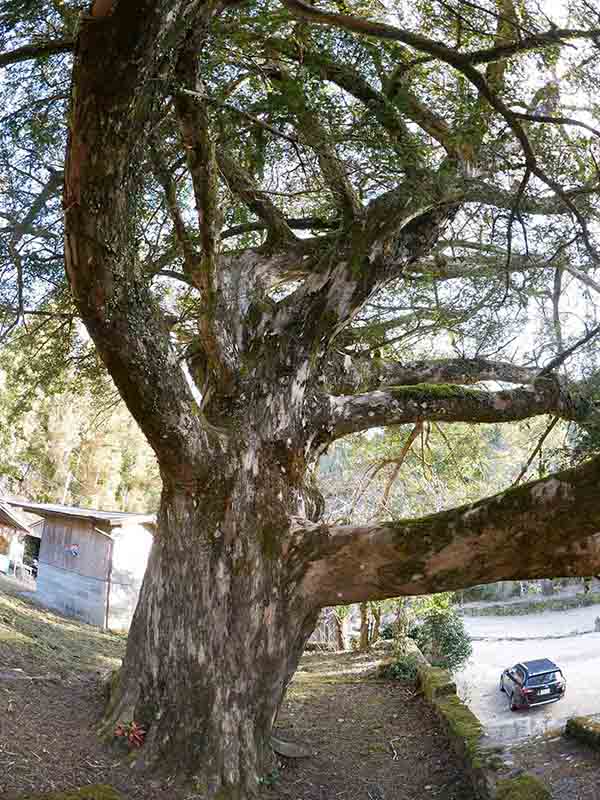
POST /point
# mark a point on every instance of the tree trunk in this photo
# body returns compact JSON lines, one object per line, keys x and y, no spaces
{"x":215,"y":639}
{"x":402,"y":622}
{"x":363,"y":644}
{"x":339,"y":632}
{"x":376,"y":611}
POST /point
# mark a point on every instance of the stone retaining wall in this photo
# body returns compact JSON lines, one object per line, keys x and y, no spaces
{"x":492,"y":778}
{"x":585,"y":729}
{"x":530,"y":606}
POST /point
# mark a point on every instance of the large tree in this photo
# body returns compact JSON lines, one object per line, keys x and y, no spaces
{"x":323,"y":183}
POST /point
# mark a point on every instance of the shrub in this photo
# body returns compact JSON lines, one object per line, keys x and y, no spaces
{"x":403,"y":669}
{"x":387,"y":632}
{"x":442,"y":638}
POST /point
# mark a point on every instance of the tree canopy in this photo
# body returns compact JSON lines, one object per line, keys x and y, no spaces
{"x":285,"y":223}
{"x":318,"y":129}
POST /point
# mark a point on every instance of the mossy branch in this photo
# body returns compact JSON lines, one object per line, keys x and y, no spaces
{"x":539,"y":530}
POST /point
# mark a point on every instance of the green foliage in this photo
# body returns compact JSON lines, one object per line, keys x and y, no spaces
{"x":387,"y":632}
{"x":585,"y":729}
{"x":271,"y":778}
{"x":76,"y":445}
{"x":440,"y":602}
{"x":404,"y":668}
{"x":523,"y":787}
{"x":448,"y":466}
{"x":442,"y":638}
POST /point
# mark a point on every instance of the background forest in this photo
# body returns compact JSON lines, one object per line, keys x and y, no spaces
{"x":67,"y":437}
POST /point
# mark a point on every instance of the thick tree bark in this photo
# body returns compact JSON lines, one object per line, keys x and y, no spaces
{"x":376,"y":627}
{"x":238,"y":573}
{"x":400,"y":405}
{"x":340,"y":639}
{"x":364,"y":639}
{"x":549,"y":527}
{"x":217,"y":634}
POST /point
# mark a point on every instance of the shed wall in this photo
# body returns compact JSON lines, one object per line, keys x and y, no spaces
{"x":73,"y":568}
{"x":73,"y":594}
{"x":11,"y":546}
{"x":131,"y":549}
{"x":63,"y":533}
{"x":12,"y":542}
{"x":6,"y":534}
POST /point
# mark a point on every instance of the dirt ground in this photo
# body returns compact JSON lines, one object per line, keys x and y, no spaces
{"x":568,"y":768}
{"x":372,"y":740}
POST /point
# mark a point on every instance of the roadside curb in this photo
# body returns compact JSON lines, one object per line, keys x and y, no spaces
{"x":491,"y":776}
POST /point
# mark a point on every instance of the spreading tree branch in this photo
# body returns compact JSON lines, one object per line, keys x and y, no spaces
{"x":551,"y":526}
{"x":549,"y":428}
{"x":34,"y":50}
{"x":374,"y":101}
{"x":313,"y":133}
{"x":118,"y":56}
{"x":242,"y":185}
{"x":199,"y":147}
{"x":400,"y":405}
{"x":191,"y":257}
{"x":432,"y":47}
{"x":346,"y":374}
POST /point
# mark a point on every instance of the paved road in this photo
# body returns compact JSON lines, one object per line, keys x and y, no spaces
{"x":527,"y":626}
{"x":512,"y":639}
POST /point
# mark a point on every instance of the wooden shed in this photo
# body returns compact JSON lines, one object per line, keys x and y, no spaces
{"x":13,"y":529}
{"x":91,"y":563}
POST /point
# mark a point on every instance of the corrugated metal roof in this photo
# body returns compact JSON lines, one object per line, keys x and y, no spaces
{"x":8,"y":517}
{"x":113,"y":518}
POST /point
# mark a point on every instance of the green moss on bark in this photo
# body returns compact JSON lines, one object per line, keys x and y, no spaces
{"x":423,"y":392}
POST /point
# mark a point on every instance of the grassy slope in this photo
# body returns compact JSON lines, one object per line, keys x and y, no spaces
{"x":41,"y":642}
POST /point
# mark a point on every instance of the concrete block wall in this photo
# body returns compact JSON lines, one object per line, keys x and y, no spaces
{"x":123,"y":600}
{"x":131,"y":548}
{"x":73,"y":594}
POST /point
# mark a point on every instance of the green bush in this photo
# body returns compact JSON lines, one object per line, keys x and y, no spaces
{"x":403,"y":669}
{"x":442,"y":638}
{"x":387,"y":632}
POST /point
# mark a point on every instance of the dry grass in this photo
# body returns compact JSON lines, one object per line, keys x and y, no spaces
{"x":34,"y":639}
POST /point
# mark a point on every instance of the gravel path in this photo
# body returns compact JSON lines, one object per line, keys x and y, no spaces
{"x":569,"y":769}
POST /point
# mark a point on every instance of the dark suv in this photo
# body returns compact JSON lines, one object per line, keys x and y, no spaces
{"x":533,"y":683}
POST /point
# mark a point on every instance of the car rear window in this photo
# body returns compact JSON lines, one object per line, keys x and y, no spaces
{"x":546,"y":677}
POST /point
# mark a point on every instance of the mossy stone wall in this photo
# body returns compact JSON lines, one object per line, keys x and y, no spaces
{"x":525,"y":787}
{"x":484,"y":765}
{"x":531,"y":606}
{"x":585,"y":730}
